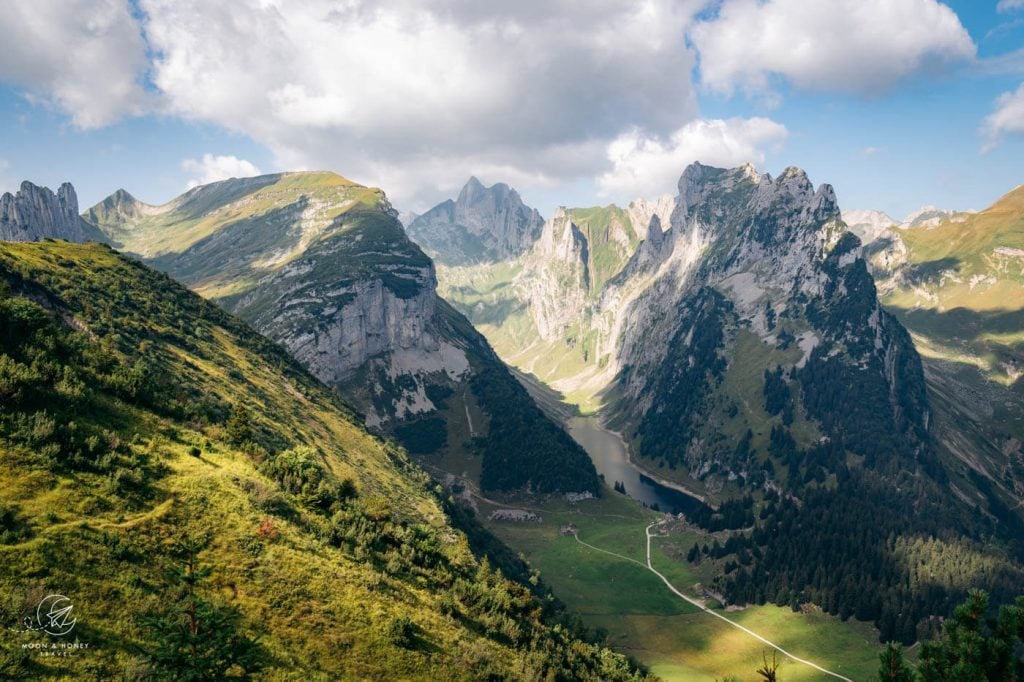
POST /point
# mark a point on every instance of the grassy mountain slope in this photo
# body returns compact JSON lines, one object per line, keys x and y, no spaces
{"x":135,"y":414}
{"x":962,"y":286}
{"x":958,"y":286}
{"x":323,"y":266}
{"x":611,"y":240}
{"x":231,"y":230}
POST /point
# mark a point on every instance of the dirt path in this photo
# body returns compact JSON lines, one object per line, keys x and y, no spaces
{"x":92,"y":524}
{"x":700,"y":605}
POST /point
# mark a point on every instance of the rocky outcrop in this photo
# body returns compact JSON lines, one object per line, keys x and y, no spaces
{"x":35,"y":213}
{"x":739,"y":271}
{"x":556,"y":279}
{"x":376,"y":316}
{"x":324,"y":267}
{"x":484,"y":224}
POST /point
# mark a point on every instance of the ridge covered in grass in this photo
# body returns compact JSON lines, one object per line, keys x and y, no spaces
{"x":136,"y":416}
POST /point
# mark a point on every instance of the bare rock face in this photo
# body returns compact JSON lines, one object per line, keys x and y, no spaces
{"x":484,"y":224}
{"x":643,"y":211}
{"x":868,"y":225}
{"x":672,"y":312}
{"x":555,"y":277}
{"x":384,"y":322}
{"x":35,"y":213}
{"x":324,"y":267}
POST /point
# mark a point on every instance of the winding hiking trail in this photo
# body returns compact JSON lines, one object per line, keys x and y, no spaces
{"x":649,"y":566}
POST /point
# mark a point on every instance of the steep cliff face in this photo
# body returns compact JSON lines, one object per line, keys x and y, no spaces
{"x":323,"y":266}
{"x":280,"y":250}
{"x":679,"y":318}
{"x":34,"y":213}
{"x":757,"y":315}
{"x":545,"y":310}
{"x":484,"y":224}
{"x":556,"y":277}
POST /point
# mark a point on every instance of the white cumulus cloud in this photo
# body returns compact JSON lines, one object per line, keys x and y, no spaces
{"x":212,"y":168}
{"x":86,"y":57}
{"x":859,"y":46}
{"x":1008,"y":117}
{"x":1010,"y":5}
{"x":645,"y":165}
{"x":392,"y":92}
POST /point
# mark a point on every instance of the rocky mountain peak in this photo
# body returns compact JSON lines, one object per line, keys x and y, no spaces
{"x":562,"y":240}
{"x":473,"y":190}
{"x":738,"y":200}
{"x":474,"y":196}
{"x":35,"y":213}
{"x":926,"y":216}
{"x":122,"y":196}
{"x":641,"y":211}
{"x":483,"y":224}
{"x":655,"y":232}
{"x":869,"y":225}
{"x":119,"y":207}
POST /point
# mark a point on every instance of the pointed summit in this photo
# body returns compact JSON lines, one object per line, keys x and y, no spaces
{"x":483,"y":224}
{"x":472,"y":189}
{"x":926,"y":216}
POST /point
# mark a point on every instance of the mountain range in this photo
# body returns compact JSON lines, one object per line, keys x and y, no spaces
{"x":956,"y":281}
{"x":584,"y":310}
{"x":841,"y":394}
{"x":323,"y":266}
{"x":740,"y":346}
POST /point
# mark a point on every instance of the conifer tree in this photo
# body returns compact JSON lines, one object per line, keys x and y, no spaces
{"x":239,"y":426}
{"x":195,"y":639}
{"x":769,"y":670}
{"x":893,"y":668}
{"x":975,"y":647}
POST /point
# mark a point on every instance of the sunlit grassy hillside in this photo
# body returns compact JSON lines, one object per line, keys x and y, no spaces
{"x":135,"y":416}
{"x":963,"y":289}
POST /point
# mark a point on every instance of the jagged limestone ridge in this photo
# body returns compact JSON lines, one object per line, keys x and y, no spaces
{"x":34,"y":213}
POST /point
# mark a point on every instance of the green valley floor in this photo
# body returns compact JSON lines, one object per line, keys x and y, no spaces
{"x":644,"y":619}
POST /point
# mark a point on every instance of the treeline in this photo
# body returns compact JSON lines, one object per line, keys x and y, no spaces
{"x":849,"y":551}
{"x":523,"y":449}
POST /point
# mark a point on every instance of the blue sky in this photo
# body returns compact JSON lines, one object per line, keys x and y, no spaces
{"x":572,"y":103}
